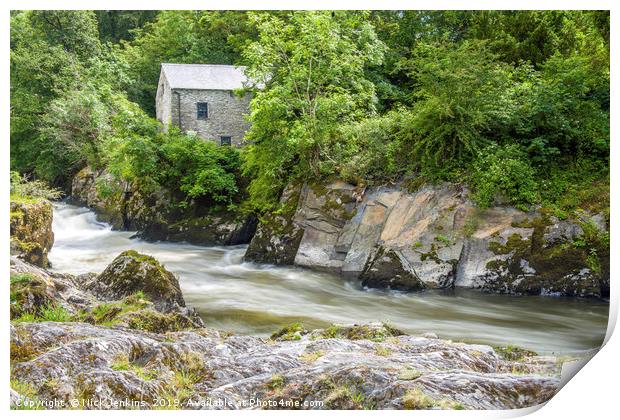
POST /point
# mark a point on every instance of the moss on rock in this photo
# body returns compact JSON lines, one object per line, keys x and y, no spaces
{"x":31,"y":230}
{"x":133,"y":272}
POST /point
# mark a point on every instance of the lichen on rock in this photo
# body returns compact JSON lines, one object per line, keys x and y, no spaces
{"x":132,"y":272}
{"x":31,"y":230}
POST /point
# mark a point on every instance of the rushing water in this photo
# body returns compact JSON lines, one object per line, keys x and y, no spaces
{"x":257,"y":299}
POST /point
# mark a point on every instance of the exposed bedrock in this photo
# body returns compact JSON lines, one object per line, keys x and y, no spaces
{"x":127,"y":207}
{"x":434,"y":237}
{"x":357,"y":367}
{"x":31,"y":230}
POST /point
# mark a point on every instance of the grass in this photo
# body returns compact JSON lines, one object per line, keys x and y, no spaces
{"x":51,"y":312}
{"x":416,"y":399}
{"x":513,"y":353}
{"x":311,"y":356}
{"x":27,"y":391}
{"x":292,"y":332}
{"x":409,"y":374}
{"x":383,"y":351}
{"x":276,"y":383}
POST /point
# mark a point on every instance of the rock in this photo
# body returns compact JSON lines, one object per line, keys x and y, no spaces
{"x":35,"y":290}
{"x":435,"y":234}
{"x":277,"y":237}
{"x":153,"y":215}
{"x":388,"y":269}
{"x":402,"y":371}
{"x":133,"y":272}
{"x":100,"y":191}
{"x":535,"y":255}
{"x":207,"y":230}
{"x":31,"y":230}
{"x":322,"y":214}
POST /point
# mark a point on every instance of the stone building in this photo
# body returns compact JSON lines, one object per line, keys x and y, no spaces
{"x":201,"y":99}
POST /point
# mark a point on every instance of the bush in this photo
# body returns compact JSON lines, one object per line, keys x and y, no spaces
{"x":504,"y":172}
{"x":23,"y":188}
{"x":186,"y":165}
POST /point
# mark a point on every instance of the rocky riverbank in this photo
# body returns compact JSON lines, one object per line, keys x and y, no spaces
{"x":433,"y":237}
{"x":126,"y":337}
{"x":31,"y":230}
{"x":154,"y":216}
{"x":404,"y":237}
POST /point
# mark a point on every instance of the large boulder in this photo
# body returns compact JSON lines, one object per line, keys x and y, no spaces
{"x":132,"y":272}
{"x":150,"y":212}
{"x":31,"y":230}
{"x":100,"y":191}
{"x":222,"y":229}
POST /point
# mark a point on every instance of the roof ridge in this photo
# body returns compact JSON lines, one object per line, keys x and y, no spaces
{"x":200,"y":64}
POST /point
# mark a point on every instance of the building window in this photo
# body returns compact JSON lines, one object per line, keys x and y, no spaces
{"x":225,"y":141}
{"x":202,"y":110}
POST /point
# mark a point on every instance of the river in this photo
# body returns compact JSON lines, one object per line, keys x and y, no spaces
{"x":247,"y":298}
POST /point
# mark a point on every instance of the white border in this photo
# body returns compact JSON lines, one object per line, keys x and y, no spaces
{"x":591,"y":394}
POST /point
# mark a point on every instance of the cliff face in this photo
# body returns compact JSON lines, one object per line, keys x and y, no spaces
{"x":31,"y":230}
{"x":432,"y":238}
{"x":153,"y":215}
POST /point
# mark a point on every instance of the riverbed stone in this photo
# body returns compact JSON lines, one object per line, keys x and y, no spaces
{"x":277,"y":237}
{"x":389,"y":269}
{"x":132,"y":272}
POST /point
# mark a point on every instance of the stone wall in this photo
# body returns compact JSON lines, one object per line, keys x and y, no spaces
{"x":163,"y":102}
{"x":227,"y":113}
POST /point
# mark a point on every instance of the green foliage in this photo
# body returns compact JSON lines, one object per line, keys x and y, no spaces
{"x":312,"y":66}
{"x":370,"y":97}
{"x":460,"y":101}
{"x":55,"y":313}
{"x":188,"y":165}
{"x":504,"y":172}
{"x":24,"y":189}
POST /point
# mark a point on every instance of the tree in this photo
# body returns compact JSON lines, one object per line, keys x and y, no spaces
{"x":312,"y":69}
{"x":461,"y":101}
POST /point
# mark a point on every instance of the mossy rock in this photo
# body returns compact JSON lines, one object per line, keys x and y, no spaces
{"x":373,"y":332}
{"x":532,"y":266}
{"x":290,"y":332}
{"x":29,"y":295}
{"x":132,"y":272}
{"x":31,"y":230}
{"x":513,"y":353}
{"x":277,"y":237}
{"x":388,"y":268}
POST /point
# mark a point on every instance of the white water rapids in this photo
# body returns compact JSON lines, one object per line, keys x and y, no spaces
{"x":257,"y":299}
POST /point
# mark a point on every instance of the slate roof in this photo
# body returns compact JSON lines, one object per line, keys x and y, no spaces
{"x":204,"y":76}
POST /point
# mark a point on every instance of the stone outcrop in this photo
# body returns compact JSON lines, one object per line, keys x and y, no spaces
{"x":36,"y":292}
{"x":322,"y":369}
{"x":133,"y":272}
{"x":434,"y":237}
{"x":31,"y":230}
{"x":128,"y":207}
{"x":389,"y":269}
{"x":277,"y":237}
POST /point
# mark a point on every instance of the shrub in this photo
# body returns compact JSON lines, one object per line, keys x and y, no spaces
{"x":504,"y":172}
{"x":22,"y":187}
